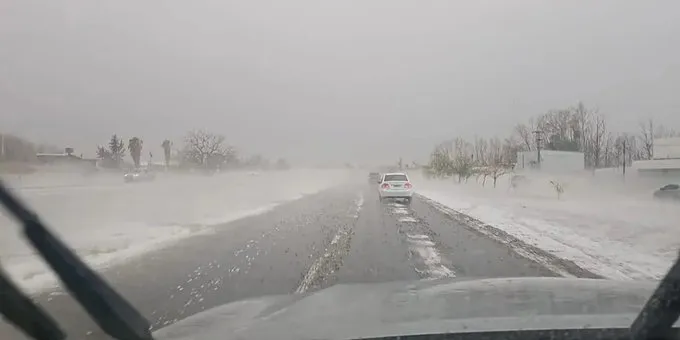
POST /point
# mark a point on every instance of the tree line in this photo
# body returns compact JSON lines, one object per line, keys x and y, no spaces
{"x":200,"y":149}
{"x":17,"y":149}
{"x":576,"y":128}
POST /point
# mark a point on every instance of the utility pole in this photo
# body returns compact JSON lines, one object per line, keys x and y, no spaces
{"x":539,"y":139}
{"x":2,"y":147}
{"x":624,"y":159}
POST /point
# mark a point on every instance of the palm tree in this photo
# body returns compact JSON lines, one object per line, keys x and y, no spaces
{"x":166,"y":151}
{"x":135,"y":147}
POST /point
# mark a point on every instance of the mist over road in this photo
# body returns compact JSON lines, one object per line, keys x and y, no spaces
{"x":342,"y":235}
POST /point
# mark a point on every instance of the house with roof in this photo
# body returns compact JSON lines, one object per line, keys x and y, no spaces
{"x":66,"y":158}
{"x":665,"y":162}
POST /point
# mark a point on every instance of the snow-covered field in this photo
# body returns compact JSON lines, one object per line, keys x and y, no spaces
{"x":108,"y":221}
{"x":603,"y":224}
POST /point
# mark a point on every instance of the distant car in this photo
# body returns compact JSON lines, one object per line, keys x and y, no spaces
{"x":670,"y":191}
{"x":139,"y":175}
{"x":395,"y":185}
{"x":373,"y":177}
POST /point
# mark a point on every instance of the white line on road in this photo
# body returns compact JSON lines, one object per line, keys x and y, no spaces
{"x":310,"y":276}
{"x":425,"y":249}
{"x":417,"y":237}
{"x":518,"y":247}
{"x":313,"y":272}
{"x":400,"y":211}
{"x":359,"y":204}
{"x":407,"y":219}
{"x":337,"y":237}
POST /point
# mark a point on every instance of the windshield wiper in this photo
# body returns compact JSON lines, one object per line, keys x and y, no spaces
{"x":19,"y":310}
{"x":108,"y":309}
{"x":661,"y":310}
{"x":120,"y":320}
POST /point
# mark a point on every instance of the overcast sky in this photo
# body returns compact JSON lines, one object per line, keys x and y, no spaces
{"x":323,"y":80}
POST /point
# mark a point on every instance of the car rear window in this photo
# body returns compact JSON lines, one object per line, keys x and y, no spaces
{"x":395,"y":178}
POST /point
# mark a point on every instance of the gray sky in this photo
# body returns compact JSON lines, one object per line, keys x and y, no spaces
{"x":329,"y":79}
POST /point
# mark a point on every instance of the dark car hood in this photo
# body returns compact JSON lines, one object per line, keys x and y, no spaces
{"x":453,"y":305}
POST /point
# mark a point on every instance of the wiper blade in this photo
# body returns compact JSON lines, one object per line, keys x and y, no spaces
{"x":661,"y":310}
{"x":108,"y":309}
{"x":20,"y":310}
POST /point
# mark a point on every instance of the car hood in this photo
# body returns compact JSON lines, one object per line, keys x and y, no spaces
{"x":436,"y":306}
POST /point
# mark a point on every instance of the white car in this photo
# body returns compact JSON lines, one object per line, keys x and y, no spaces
{"x":139,"y":175}
{"x":395,"y":185}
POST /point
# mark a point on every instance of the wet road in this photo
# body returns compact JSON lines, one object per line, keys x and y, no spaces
{"x":342,"y":235}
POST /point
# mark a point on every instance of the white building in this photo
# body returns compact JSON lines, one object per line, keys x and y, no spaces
{"x":551,"y":161}
{"x":666,"y":148}
{"x":665,"y":163}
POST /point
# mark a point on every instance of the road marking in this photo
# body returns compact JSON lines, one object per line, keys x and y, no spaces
{"x":407,"y":219}
{"x":313,"y":272}
{"x":400,"y":211}
{"x":417,"y":237}
{"x":509,"y":241}
{"x":337,"y":237}
{"x":425,"y":248}
{"x":359,"y":204}
{"x":310,"y":276}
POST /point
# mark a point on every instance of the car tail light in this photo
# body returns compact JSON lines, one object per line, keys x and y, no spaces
{"x":408,"y":186}
{"x":385,"y":186}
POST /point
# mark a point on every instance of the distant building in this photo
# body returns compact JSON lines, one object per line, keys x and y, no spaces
{"x":66,"y":158}
{"x":666,"y":148}
{"x":665,"y":162}
{"x":551,"y":161}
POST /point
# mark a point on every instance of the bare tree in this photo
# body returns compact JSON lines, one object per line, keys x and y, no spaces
{"x":495,"y":153}
{"x":206,"y":149}
{"x":556,"y":127}
{"x":663,"y":132}
{"x":597,"y":140}
{"x":633,"y":151}
{"x":497,"y":170}
{"x":608,"y":150}
{"x":647,"y":139}
{"x":463,"y":160}
{"x":510,"y":150}
{"x":617,"y":150}
{"x":481,"y":148}
{"x":494,"y":171}
{"x":581,"y":124}
{"x":526,"y":136}
{"x":498,"y":165}
{"x":441,"y":163}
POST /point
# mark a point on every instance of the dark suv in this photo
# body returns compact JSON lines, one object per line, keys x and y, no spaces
{"x":373,"y":177}
{"x":670,"y":191}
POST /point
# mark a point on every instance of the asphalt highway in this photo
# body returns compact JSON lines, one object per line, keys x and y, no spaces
{"x":339,"y":236}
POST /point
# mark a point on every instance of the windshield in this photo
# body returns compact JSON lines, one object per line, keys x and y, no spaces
{"x":196,"y":154}
{"x":395,"y":178}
